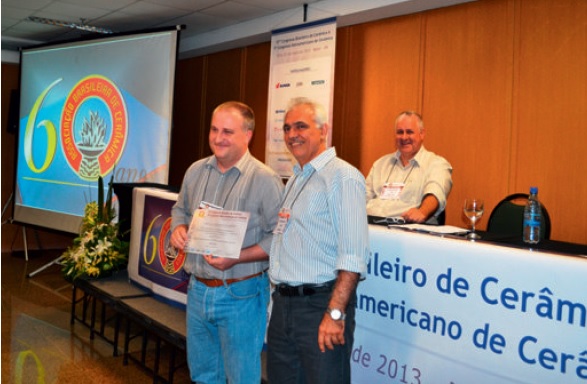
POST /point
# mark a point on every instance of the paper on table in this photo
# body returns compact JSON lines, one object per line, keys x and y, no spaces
{"x":440,"y":229}
{"x":217,"y":232}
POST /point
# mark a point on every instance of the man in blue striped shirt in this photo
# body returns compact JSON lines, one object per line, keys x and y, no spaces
{"x":319,"y":252}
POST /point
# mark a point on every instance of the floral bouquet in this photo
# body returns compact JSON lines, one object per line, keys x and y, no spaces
{"x":98,"y":250}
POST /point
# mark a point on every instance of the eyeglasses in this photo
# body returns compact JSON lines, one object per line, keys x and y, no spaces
{"x":395,"y":220}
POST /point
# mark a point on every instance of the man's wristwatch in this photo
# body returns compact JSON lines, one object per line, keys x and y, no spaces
{"x":336,"y":314}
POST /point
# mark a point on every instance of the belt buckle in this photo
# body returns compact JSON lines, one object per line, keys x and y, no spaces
{"x":301,"y":290}
{"x":307,"y":291}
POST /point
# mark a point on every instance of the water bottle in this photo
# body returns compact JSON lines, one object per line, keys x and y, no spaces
{"x":532,"y":218}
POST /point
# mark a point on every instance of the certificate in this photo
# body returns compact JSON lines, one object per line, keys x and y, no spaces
{"x":217,"y":232}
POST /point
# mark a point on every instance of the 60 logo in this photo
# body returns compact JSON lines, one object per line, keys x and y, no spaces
{"x":93,"y":128}
{"x":157,"y":246}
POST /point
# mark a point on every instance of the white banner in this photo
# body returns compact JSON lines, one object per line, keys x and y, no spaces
{"x":302,"y":65}
{"x":440,"y":310}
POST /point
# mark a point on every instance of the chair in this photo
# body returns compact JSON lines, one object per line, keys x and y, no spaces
{"x":442,"y":217}
{"x":508,"y":217}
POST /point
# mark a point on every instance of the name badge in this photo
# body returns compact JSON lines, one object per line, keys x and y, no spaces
{"x":391,"y":191}
{"x":283,"y":217}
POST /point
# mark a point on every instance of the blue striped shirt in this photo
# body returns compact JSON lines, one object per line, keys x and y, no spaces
{"x":327,"y":230}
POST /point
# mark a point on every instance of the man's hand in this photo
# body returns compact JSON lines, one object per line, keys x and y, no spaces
{"x":426,"y":209}
{"x":220,"y":263}
{"x":414,"y":215}
{"x":179,"y":237}
{"x":330,"y":333}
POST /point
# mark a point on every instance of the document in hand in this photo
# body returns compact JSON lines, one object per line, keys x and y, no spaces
{"x":217,"y":232}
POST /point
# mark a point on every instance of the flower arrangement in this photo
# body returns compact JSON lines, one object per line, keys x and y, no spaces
{"x":98,"y":250}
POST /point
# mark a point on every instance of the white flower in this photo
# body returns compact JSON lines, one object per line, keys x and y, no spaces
{"x":96,"y":249}
{"x":102,"y":247}
{"x":88,"y":236}
{"x":79,"y":252}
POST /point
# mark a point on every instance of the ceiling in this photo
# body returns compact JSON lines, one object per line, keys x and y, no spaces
{"x":210,"y":25}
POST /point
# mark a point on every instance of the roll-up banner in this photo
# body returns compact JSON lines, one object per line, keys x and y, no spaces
{"x":302,"y":65}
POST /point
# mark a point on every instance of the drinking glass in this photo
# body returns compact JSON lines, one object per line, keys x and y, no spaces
{"x":473,"y":210}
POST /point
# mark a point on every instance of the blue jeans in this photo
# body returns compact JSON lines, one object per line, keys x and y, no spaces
{"x":225,"y":331}
{"x":293,"y":356}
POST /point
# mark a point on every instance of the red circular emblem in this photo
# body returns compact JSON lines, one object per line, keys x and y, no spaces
{"x":94,"y":126}
{"x":170,"y":258}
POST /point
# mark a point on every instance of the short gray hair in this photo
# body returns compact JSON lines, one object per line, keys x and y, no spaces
{"x":320,"y":116}
{"x":410,"y":114}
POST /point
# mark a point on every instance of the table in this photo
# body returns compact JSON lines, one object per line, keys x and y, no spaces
{"x":147,"y":317}
{"x":440,"y":309}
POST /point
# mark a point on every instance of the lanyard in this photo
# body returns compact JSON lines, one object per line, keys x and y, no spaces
{"x":299,"y":191}
{"x":229,"y":191}
{"x":405,"y":178}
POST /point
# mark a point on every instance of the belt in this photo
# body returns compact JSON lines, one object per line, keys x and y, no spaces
{"x":304,"y":289}
{"x":214,"y":283}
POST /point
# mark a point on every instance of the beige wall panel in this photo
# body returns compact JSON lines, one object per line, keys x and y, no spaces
{"x":383,"y":80}
{"x":551,"y":114}
{"x":467,"y":99}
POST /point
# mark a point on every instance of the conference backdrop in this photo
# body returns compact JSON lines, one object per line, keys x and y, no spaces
{"x":302,"y":65}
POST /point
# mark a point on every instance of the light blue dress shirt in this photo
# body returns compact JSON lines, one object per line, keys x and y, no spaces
{"x":327,"y":229}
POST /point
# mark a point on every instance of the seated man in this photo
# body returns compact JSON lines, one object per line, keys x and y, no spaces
{"x":411,"y":183}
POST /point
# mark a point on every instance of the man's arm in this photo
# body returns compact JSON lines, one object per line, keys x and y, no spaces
{"x":352,"y":254}
{"x":370,"y":192}
{"x":331,"y":332}
{"x":437,"y":186}
{"x":426,"y":209}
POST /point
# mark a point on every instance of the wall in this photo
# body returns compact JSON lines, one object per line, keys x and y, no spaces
{"x":501,"y":85}
{"x":502,"y":88}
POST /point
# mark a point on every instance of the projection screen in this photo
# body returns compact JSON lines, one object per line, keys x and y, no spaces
{"x":92,"y":108}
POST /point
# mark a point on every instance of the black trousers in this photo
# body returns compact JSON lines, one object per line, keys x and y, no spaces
{"x":293,"y":356}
